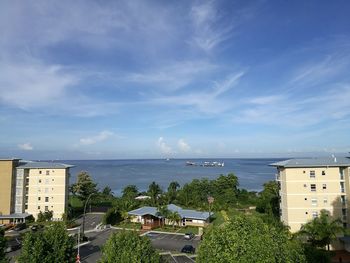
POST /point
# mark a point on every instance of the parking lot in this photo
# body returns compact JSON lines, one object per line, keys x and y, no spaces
{"x":171,"y":242}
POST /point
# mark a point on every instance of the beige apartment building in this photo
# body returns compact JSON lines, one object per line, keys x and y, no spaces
{"x":30,"y":187}
{"x":308,"y":186}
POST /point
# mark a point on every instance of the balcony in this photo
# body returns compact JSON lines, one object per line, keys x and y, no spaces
{"x":342,"y":190}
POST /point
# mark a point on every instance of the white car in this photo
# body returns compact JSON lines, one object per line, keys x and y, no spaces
{"x":189,"y":236}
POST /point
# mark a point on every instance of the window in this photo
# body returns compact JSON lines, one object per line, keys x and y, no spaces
{"x":47,"y":172}
{"x":305,"y":198}
{"x":26,"y":207}
{"x":39,"y":181}
{"x":303,"y":172}
{"x":305,"y":185}
{"x":312,"y":174}
{"x":314,"y":202}
{"x":325,"y":200}
{"x":53,"y":180}
{"x":39,"y":172}
{"x":39,"y":207}
{"x":39,"y":198}
{"x":324,"y":186}
{"x":46,"y":208}
{"x":46,"y":199}
{"x":343,"y":199}
{"x":313,"y":187}
{"x":306,"y":213}
{"x":323,"y":172}
{"x":314,"y":214}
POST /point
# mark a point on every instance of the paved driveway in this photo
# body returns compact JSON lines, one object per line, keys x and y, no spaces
{"x":171,"y":242}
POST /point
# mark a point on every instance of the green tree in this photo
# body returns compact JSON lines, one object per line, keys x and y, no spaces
{"x":248,"y":239}
{"x":154,"y":191}
{"x":172,"y":191}
{"x":44,"y":217}
{"x":174,"y":217}
{"x":3,"y":258}
{"x":321,"y":230}
{"x":107,"y":191}
{"x":128,"y":247}
{"x":268,"y":201}
{"x":130,"y":192}
{"x":164,"y":212}
{"x":84,"y":186}
{"x":112,"y":216}
{"x":53,"y":245}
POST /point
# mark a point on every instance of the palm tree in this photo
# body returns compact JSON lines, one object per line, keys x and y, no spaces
{"x":163,"y":212}
{"x":174,"y":217}
{"x":154,"y":190}
{"x":321,"y":230}
{"x":172,"y":190}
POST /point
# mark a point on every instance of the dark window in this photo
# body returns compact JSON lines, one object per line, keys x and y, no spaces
{"x":313,"y":187}
{"x":46,"y":199}
{"x":323,"y":172}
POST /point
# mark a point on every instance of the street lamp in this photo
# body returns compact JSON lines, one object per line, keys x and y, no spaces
{"x":87,"y":200}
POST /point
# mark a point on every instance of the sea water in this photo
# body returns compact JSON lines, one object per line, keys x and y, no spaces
{"x":252,"y":173}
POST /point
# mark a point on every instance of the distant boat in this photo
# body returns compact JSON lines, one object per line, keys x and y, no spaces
{"x":206,"y":164}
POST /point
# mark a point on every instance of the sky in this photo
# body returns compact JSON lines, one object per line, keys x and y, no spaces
{"x":174,"y":79}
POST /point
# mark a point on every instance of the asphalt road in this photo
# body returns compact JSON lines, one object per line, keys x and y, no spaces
{"x":171,"y":242}
{"x":92,"y":252}
{"x":91,"y":220}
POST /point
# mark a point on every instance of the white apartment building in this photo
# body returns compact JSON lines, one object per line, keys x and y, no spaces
{"x":310,"y":185}
{"x":37,"y":186}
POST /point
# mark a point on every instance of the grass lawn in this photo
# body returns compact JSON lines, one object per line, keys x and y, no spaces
{"x":223,"y":216}
{"x":136,"y":226}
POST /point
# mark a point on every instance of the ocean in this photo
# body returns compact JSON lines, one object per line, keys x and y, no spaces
{"x":252,"y":173}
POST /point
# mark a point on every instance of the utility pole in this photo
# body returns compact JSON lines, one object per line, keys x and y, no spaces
{"x":87,"y":200}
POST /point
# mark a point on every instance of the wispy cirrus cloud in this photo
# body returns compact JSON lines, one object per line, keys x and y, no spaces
{"x":206,"y":101}
{"x":209,"y":29}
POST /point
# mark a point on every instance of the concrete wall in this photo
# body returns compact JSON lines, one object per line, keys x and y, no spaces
{"x":47,"y":191}
{"x":300,"y":202}
{"x":7,"y":186}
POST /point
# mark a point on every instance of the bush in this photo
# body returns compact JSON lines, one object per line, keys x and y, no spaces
{"x":112,"y":217}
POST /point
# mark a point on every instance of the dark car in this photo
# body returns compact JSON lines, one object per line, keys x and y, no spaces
{"x":188,"y":236}
{"x":188,"y":249}
{"x":20,"y":226}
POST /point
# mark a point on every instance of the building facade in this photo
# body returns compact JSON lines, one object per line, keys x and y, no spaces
{"x":31,"y":188}
{"x":307,"y":186}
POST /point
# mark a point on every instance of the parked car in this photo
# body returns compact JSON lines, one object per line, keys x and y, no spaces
{"x":189,"y":236}
{"x":20,"y":226}
{"x":188,"y":249}
{"x":36,"y":227}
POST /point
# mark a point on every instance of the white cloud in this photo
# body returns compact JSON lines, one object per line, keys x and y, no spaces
{"x":183,"y":146}
{"x":102,"y":136}
{"x":164,"y":148}
{"x":33,"y":84}
{"x":209,"y":101}
{"x":25,"y":146}
{"x":208,"y":31}
{"x":172,"y":76}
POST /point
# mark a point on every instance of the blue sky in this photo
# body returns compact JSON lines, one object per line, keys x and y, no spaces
{"x":157,"y":79}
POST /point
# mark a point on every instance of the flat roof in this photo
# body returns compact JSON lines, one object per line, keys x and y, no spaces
{"x":10,"y":159}
{"x":314,"y":162}
{"x":15,"y":216}
{"x":43,"y":165}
